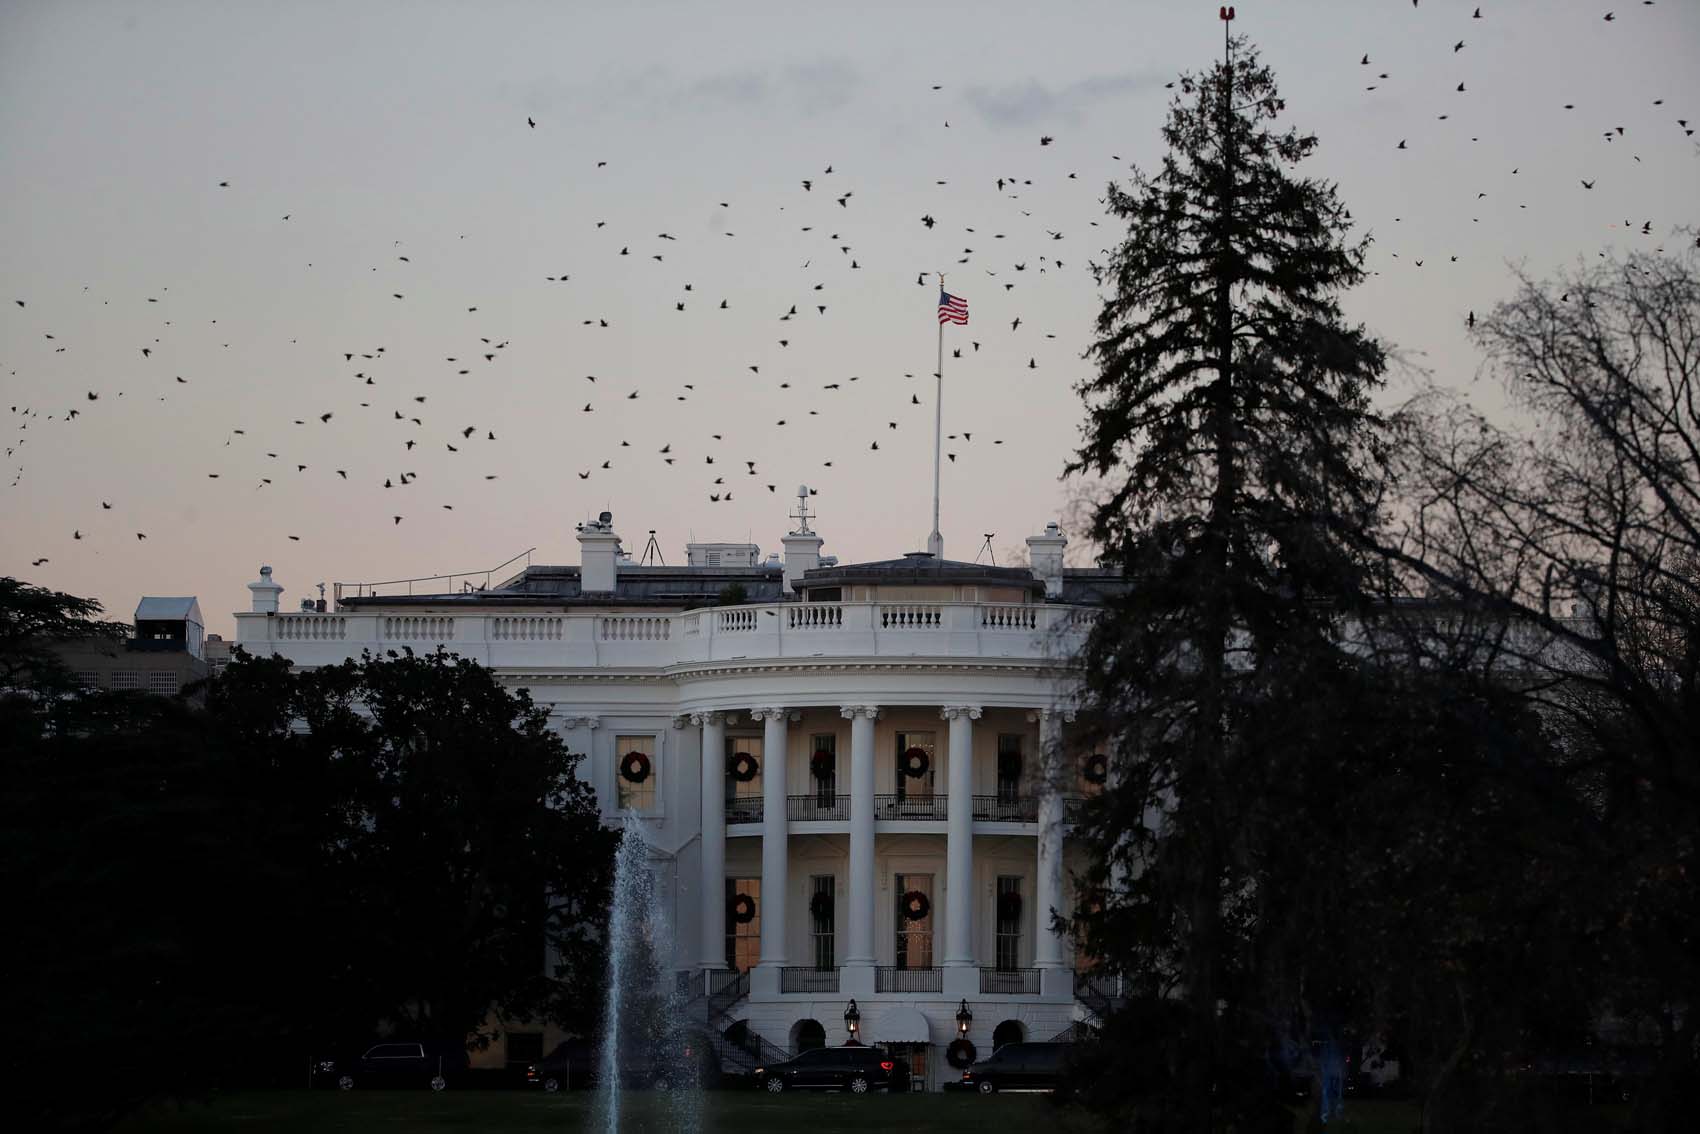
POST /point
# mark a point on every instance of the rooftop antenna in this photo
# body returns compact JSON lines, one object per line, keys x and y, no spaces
{"x":801,"y":515}
{"x":987,"y":548}
{"x":651,"y":550}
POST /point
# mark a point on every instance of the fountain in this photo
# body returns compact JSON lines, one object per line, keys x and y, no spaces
{"x":644,"y":1032}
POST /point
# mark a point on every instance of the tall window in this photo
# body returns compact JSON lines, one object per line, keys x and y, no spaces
{"x":743,"y":797}
{"x":822,"y":914}
{"x":914,"y":934}
{"x":636,"y":771}
{"x":1009,"y":913}
{"x":1009,"y":766}
{"x":743,"y":939}
{"x":1084,"y":961}
{"x":917,"y":787}
{"x":826,"y":783}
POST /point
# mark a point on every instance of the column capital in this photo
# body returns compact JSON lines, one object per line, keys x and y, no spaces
{"x":774,"y":713}
{"x":1045,"y":716}
{"x":951,"y":712}
{"x":580,"y":720}
{"x":680,"y":720}
{"x":851,"y":712}
{"x":708,"y":718}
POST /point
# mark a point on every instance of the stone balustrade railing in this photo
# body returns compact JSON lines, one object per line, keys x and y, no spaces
{"x":639,"y":640}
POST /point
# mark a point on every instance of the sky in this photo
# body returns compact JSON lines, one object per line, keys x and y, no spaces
{"x":280,"y":202}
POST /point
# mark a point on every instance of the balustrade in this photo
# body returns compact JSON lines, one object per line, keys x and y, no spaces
{"x":311,"y":627}
{"x":509,"y":628}
{"x":790,"y":629}
{"x":735,"y":620}
{"x":1006,"y":808}
{"x":744,"y":809}
{"x":929,"y":807}
{"x":815,"y":616}
{"x":795,"y":978}
{"x":1009,"y":616}
{"x":635,"y":627}
{"x":909,"y":615}
{"x":888,"y":978}
{"x":817,"y":807}
{"x":1008,"y":982}
{"x":419,"y":628}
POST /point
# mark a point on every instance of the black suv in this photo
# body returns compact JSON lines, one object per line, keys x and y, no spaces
{"x":391,"y":1065}
{"x":1019,"y":1067}
{"x":855,"y":1069}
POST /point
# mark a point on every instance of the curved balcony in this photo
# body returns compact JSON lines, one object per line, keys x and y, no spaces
{"x":636,"y":640}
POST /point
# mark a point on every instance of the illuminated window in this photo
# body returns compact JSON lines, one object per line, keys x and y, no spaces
{"x":743,"y":938}
{"x":914,"y":946}
{"x":743,"y":796}
{"x":636,"y":771}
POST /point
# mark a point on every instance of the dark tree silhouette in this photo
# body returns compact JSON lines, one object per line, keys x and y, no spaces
{"x":1581,"y":529}
{"x":1229,"y":413}
{"x":209,"y":895}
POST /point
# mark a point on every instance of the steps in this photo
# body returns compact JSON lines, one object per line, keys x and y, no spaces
{"x":709,"y":996}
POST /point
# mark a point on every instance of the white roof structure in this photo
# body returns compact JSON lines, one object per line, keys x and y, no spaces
{"x":153,"y":609}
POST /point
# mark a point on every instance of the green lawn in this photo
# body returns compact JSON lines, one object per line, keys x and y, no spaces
{"x":420,"y":1112}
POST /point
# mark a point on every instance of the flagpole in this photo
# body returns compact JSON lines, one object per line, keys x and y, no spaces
{"x":935,"y":541}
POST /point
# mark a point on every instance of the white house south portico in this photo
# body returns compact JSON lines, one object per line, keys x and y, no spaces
{"x":855,"y":779}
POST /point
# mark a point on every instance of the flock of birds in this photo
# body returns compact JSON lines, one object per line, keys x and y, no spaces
{"x":427,"y":451}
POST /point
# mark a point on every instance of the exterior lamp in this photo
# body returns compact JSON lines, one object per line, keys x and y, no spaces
{"x":963,"y":1018}
{"x":852,"y":1020}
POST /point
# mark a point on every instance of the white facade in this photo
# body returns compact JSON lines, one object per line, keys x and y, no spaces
{"x":774,"y":734}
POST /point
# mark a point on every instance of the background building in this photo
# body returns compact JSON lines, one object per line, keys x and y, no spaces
{"x":162,"y":656}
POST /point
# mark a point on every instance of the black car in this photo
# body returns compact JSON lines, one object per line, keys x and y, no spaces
{"x":391,"y":1065}
{"x":1019,"y":1067}
{"x":855,"y":1069}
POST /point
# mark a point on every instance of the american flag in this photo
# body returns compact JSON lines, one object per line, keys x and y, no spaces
{"x":952,"y":309}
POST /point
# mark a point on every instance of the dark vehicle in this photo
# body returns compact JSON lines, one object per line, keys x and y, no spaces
{"x":565,"y":1067}
{"x":1019,"y":1067}
{"x":577,"y":1063}
{"x":391,"y":1065}
{"x":854,"y":1069}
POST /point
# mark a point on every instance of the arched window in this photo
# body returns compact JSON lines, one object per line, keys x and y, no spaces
{"x":806,"y":1035}
{"x":1010,"y":1031}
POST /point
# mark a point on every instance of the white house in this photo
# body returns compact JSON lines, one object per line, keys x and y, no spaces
{"x":855,"y":781}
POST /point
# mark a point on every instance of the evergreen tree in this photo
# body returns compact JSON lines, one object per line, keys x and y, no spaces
{"x":1230,"y":420}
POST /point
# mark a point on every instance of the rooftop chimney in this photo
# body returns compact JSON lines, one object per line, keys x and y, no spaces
{"x":265,"y":593}
{"x":599,"y":552}
{"x":1045,"y":555}
{"x":802,"y":547}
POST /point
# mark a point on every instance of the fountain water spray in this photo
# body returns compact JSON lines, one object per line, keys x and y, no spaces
{"x":645,"y":1037}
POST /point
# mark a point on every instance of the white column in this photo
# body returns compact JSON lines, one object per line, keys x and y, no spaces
{"x":775,"y":851}
{"x":713,"y":838}
{"x":605,"y":786}
{"x":859,"y":909}
{"x":1047,"y":943}
{"x":959,"y":839}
